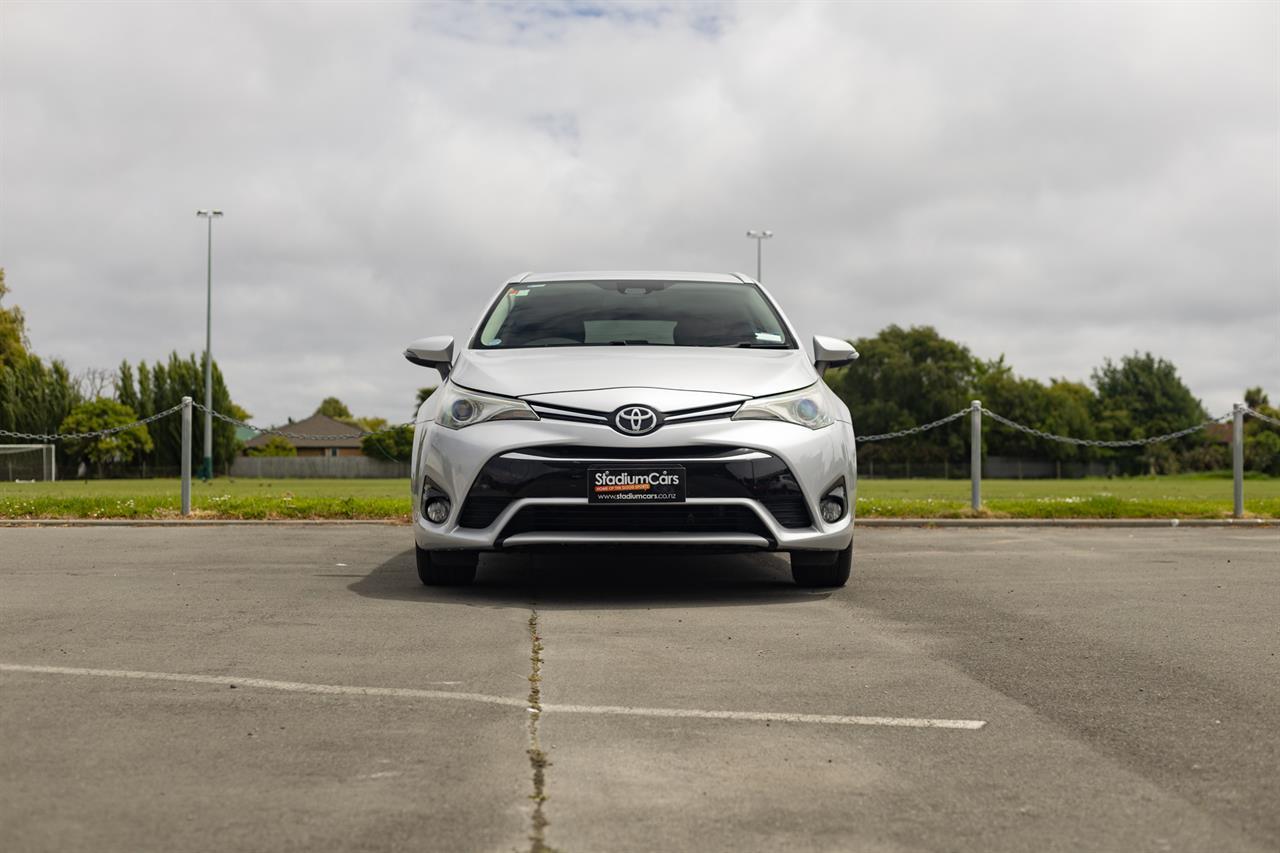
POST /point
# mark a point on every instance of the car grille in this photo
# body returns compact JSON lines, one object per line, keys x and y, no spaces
{"x":583,"y":452}
{"x":561,"y":472}
{"x":672,"y":518}
{"x":555,"y":412}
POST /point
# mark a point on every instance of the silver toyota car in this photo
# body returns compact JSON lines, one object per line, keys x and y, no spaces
{"x":634,"y":410}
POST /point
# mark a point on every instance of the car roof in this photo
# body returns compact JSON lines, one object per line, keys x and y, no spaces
{"x":630,"y":275}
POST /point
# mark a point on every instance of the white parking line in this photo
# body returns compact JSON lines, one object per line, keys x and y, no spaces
{"x":768,"y":717}
{"x":416,"y":693}
{"x":267,"y":684}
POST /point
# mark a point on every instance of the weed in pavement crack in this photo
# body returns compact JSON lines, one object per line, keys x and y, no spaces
{"x":537,"y":758}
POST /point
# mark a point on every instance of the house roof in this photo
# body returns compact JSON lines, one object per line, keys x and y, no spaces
{"x":1219,"y":433}
{"x":319,"y":426}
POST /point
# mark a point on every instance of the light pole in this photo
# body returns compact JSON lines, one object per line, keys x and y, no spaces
{"x":206,"y":468}
{"x":759,"y":237}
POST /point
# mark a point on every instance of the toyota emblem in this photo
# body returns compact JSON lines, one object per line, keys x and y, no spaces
{"x":636,"y":420}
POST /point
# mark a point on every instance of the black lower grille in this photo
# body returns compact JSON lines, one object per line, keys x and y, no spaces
{"x":790,"y":511}
{"x":481,"y":510}
{"x":674,"y":518}
{"x":505,"y":480}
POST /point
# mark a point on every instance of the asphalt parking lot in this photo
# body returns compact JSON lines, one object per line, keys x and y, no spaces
{"x":273,"y":688}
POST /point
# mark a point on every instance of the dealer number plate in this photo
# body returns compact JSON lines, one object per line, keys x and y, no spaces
{"x":647,"y":484}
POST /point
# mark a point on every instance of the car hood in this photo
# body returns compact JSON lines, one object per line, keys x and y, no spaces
{"x":712,"y":371}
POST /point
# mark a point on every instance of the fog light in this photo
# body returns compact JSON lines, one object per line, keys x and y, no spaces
{"x":437,"y":510}
{"x":832,"y":510}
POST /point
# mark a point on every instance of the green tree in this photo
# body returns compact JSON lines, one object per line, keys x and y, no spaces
{"x":1140,"y":397}
{"x":370,"y":424}
{"x":1070,"y":412}
{"x":126,"y":390}
{"x":903,"y":378}
{"x":1021,"y":400}
{"x":334,"y":408}
{"x":1261,"y":439}
{"x":163,"y":385}
{"x":13,"y":329}
{"x":35,"y":397}
{"x":395,"y":444}
{"x":1061,"y":408}
{"x":276,"y":445}
{"x":101,"y":451}
{"x":1262,"y":453}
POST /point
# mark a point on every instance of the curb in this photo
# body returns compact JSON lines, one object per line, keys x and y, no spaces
{"x":1068,"y":522}
{"x":201,"y":522}
{"x":862,"y":522}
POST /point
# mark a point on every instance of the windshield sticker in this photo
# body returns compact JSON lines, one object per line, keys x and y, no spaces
{"x":769,"y":336}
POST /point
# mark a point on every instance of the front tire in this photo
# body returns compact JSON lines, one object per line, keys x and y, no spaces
{"x":446,"y":568}
{"x":822,"y":568}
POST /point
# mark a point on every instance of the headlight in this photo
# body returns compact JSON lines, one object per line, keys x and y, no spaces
{"x":807,"y":407}
{"x":461,"y":408}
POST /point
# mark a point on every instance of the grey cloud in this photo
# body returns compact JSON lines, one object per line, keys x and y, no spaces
{"x":1058,"y":182}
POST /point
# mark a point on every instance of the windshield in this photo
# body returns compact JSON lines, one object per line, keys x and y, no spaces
{"x":632,"y":313}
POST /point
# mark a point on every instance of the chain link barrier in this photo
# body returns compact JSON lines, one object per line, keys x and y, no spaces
{"x":75,"y":436}
{"x":1065,"y":439}
{"x":902,"y":433}
{"x":1096,"y":442}
{"x":884,"y":436}
{"x":1256,"y":414}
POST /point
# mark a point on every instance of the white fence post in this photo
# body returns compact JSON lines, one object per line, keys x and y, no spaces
{"x":975,"y":454}
{"x":186,"y":456}
{"x":1237,"y":458}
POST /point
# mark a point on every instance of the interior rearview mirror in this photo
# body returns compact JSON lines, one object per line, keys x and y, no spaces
{"x":831,"y":352}
{"x":434,"y":352}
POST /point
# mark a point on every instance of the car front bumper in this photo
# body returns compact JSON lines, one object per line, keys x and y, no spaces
{"x":453,"y":460}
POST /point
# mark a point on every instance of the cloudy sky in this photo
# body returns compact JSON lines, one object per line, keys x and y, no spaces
{"x":1056,"y":182}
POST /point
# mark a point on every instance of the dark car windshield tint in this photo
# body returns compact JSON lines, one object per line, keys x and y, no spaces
{"x":639,"y":313}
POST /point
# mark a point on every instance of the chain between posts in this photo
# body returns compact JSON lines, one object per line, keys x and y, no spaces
{"x":61,"y":436}
{"x":1095,"y":442}
{"x":1256,"y":414}
{"x":902,"y":433}
{"x":1084,"y":442}
{"x":915,"y":429}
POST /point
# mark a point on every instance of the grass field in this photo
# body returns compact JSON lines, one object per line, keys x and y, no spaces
{"x":1186,"y":496}
{"x":1189,"y":496}
{"x":223,"y":498}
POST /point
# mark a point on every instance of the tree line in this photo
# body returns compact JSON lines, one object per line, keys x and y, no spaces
{"x":912,"y":376}
{"x":44,"y":397}
{"x":905,"y":377}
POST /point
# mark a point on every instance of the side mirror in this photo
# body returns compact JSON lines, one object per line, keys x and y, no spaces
{"x":831,"y":352}
{"x":434,"y":352}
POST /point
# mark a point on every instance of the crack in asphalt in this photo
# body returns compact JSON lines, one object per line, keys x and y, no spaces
{"x":538,"y":762}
